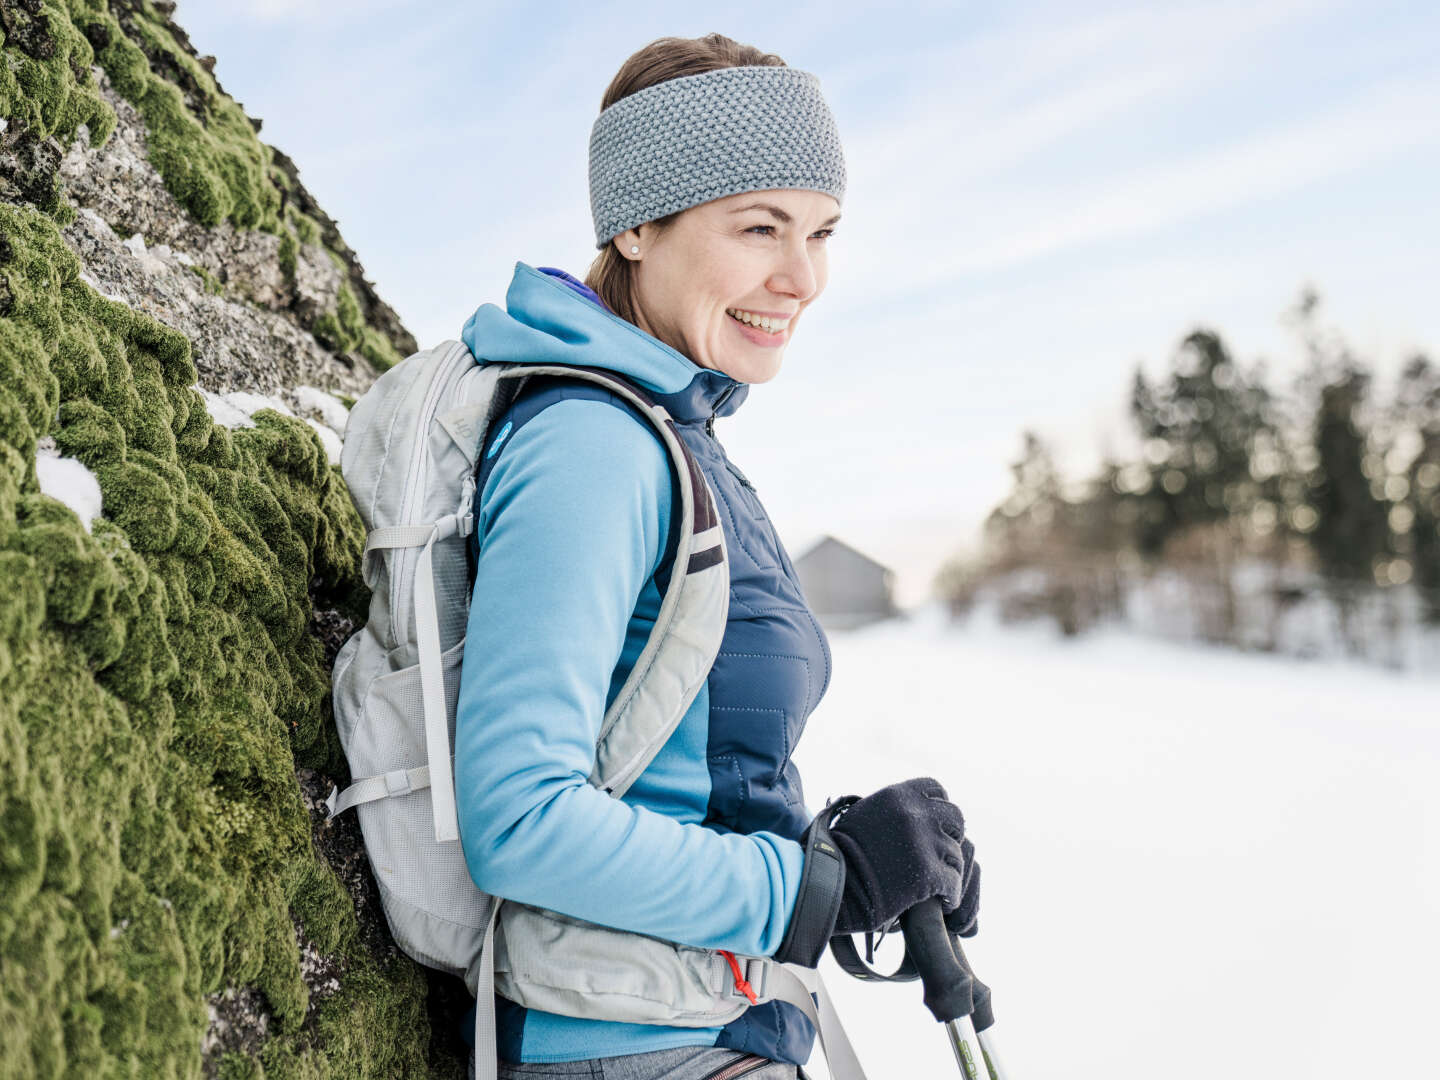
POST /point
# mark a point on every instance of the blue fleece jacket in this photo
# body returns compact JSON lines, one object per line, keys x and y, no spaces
{"x":573,"y":527}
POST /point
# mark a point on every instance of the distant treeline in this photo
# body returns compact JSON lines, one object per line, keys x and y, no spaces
{"x":1259,"y":500}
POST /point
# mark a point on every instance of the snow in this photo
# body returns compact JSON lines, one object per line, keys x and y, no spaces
{"x":222,"y":411}
{"x":328,"y":439}
{"x":250,"y":403}
{"x":331,"y":409}
{"x":71,"y":482}
{"x":235,"y":409}
{"x":1194,"y":860}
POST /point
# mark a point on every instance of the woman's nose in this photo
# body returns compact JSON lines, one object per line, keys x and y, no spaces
{"x":796,"y":275}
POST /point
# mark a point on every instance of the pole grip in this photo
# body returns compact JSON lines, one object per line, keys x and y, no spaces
{"x":983,"y":1015}
{"x":949,"y":989}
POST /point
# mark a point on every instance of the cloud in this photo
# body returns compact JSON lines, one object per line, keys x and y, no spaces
{"x":993,"y":137}
{"x":1392,"y":119}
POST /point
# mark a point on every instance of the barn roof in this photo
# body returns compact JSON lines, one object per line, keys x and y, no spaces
{"x":827,"y":540}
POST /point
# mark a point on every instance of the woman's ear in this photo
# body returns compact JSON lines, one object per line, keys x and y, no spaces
{"x":627,"y":243}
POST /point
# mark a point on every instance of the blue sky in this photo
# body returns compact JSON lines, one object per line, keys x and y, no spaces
{"x":1040,"y":197}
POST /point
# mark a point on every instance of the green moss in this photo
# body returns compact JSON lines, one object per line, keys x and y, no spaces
{"x":240,"y":1067}
{"x":46,"y":84}
{"x":199,"y":139}
{"x":288,"y":250}
{"x":343,"y":330}
{"x":376,"y":348}
{"x":158,"y":688}
{"x":307,"y":229}
{"x":211,"y":282}
{"x":212,"y":162}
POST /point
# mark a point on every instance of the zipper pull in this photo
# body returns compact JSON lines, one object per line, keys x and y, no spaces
{"x":719,"y":403}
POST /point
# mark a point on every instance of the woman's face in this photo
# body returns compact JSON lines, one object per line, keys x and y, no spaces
{"x":760,"y":254}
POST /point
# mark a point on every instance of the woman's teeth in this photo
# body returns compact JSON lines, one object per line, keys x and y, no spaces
{"x":763,"y":322}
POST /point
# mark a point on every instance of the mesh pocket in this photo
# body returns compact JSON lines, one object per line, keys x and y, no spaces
{"x":435,"y":911}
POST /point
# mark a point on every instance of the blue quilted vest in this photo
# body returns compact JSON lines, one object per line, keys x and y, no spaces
{"x":773,"y":667}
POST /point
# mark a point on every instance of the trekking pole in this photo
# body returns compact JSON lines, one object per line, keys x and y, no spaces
{"x":983,"y":1017}
{"x":952,"y":993}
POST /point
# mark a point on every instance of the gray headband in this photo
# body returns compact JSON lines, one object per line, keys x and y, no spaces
{"x":697,"y":138}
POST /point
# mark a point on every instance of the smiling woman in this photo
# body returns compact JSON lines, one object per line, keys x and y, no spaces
{"x":657,"y":927}
{"x":725,"y":283}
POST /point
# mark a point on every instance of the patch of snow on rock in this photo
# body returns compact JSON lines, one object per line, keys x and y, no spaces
{"x":328,"y":439}
{"x":331,"y":409}
{"x":71,"y":482}
{"x":250,"y":403}
{"x":222,"y":412}
{"x":235,"y":409}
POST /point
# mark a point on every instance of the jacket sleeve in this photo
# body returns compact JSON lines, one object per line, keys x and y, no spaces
{"x":572,"y":523}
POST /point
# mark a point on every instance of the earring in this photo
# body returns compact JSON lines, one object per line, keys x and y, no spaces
{"x":634,"y":249}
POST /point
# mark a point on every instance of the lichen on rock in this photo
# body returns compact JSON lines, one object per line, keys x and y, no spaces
{"x":172,"y":901}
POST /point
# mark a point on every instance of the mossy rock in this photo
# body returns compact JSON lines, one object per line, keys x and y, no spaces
{"x":200,"y":140}
{"x":159,"y":687}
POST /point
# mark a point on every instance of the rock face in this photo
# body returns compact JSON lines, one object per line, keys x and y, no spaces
{"x":172,"y":902}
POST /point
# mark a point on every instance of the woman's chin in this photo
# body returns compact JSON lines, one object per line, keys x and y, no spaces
{"x":752,"y":370}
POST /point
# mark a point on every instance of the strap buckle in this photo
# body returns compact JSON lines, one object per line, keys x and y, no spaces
{"x":397,"y":782}
{"x":749,"y":977}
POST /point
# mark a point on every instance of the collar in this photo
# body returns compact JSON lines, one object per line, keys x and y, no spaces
{"x":566,"y":322}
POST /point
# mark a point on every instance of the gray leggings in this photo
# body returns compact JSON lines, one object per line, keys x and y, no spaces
{"x":682,"y":1063}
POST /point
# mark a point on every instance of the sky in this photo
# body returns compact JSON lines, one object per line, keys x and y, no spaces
{"x":1041,"y":197}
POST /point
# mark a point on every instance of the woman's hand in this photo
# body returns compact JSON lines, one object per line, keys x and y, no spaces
{"x":903,"y":845}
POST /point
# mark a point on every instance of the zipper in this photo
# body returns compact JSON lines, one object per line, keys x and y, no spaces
{"x":719,"y":402}
{"x":743,"y":1067}
{"x":710,"y":430}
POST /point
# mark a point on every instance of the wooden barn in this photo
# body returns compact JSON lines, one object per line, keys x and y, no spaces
{"x":845,"y":587}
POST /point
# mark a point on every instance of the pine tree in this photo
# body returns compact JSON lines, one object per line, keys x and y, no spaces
{"x":1418,"y":409}
{"x":1350,"y":537}
{"x":1211,"y":444}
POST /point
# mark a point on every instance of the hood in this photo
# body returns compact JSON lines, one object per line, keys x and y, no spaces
{"x":551,"y":318}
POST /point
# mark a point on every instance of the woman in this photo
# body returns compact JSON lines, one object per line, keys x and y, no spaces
{"x":716,"y":179}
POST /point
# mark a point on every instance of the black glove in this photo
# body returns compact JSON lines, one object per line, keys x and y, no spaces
{"x":962,"y":921}
{"x":869,"y":860}
{"x":903,"y":845}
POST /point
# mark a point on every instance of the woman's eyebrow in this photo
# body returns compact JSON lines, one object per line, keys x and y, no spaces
{"x":779,"y":215}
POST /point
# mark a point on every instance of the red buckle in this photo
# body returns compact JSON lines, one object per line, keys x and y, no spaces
{"x":740,"y":983}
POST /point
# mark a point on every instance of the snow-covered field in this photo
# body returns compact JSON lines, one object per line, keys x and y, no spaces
{"x":1196,"y":863}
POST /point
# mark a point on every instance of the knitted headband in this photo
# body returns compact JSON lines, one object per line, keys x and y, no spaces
{"x":697,"y":138}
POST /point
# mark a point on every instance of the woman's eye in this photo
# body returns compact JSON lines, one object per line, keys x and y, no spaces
{"x":823,"y":234}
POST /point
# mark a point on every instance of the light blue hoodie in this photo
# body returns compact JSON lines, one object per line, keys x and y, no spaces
{"x":572,"y":531}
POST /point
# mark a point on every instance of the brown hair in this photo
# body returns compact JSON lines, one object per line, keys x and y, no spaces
{"x":611,"y":274}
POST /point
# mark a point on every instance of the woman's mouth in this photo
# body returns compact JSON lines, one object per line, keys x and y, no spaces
{"x":758,"y":329}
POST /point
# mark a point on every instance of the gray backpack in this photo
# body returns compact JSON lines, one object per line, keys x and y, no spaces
{"x":409,"y":460}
